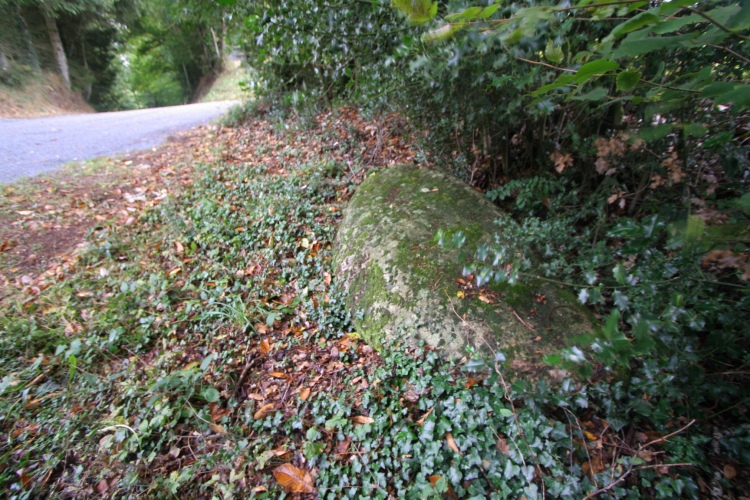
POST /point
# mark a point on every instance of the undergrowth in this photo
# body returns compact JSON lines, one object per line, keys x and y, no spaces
{"x":204,"y":348}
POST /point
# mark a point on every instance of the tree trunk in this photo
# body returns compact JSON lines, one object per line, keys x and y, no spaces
{"x":57,"y":46}
{"x":4,"y":64}
{"x":223,"y":34}
{"x":28,"y":41}
{"x":89,"y":84}
{"x":216,"y":44}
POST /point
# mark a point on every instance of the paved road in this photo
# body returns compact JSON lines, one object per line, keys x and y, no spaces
{"x":32,"y":146}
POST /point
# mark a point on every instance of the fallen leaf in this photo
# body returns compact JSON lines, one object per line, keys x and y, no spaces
{"x":460,"y":294}
{"x":102,"y":487}
{"x":729,"y":472}
{"x":421,"y":421}
{"x":304,"y":393}
{"x":327,"y":279}
{"x":279,"y":375}
{"x":294,"y":480}
{"x":434,"y":479}
{"x":452,"y":443}
{"x":591,"y":436}
{"x":265,"y":347}
{"x":263,"y":411}
{"x":502,"y":446}
{"x":342,"y":447}
{"x":218,"y":429}
{"x":562,"y":161}
{"x":470,"y":383}
{"x":361,"y":419}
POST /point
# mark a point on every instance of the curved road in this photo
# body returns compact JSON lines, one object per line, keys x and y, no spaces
{"x":32,"y":146}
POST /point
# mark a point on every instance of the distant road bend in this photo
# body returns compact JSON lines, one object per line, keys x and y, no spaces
{"x":30,"y":146}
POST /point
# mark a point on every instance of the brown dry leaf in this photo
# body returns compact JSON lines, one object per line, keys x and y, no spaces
{"x":35,"y":403}
{"x":263,"y":411}
{"x":361,"y":419}
{"x":421,"y":421}
{"x":278,"y":375}
{"x":218,"y":429}
{"x":294,"y":480}
{"x":434,"y":479}
{"x":26,"y":478}
{"x":304,"y":393}
{"x":561,"y":161}
{"x":485,"y":299}
{"x":502,"y":445}
{"x":646,"y":455}
{"x":729,"y":472}
{"x":449,"y":493}
{"x":265,"y":347}
{"x":327,"y":279}
{"x":102,"y":487}
{"x":591,"y":436}
{"x":261,"y":328}
{"x":470,"y":383}
{"x":255,"y":396}
{"x":342,"y":447}
{"x":452,"y":443}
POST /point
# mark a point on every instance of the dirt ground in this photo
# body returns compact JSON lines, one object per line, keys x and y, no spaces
{"x":46,"y":96}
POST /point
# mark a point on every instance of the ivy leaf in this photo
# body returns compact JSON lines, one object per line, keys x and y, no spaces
{"x":627,"y":80}
{"x":211,"y":395}
{"x":474,"y":364}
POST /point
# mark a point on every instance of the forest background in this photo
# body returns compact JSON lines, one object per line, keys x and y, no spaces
{"x":615,"y":132}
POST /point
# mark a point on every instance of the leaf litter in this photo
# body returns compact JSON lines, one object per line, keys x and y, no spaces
{"x":191,"y":341}
{"x":197,"y":380}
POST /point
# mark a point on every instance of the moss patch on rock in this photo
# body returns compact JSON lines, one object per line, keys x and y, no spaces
{"x":399,"y":279}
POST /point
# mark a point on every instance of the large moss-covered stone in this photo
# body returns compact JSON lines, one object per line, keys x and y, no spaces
{"x":399,"y":280}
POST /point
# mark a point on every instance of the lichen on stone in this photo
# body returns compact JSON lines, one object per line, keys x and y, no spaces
{"x":398,"y":279}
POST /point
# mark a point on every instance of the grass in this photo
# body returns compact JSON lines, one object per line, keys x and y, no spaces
{"x":229,"y":84}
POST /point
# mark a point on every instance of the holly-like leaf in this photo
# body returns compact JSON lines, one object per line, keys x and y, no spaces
{"x":294,"y":480}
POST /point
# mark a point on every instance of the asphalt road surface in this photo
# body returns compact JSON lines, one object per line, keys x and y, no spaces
{"x":30,"y":146}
